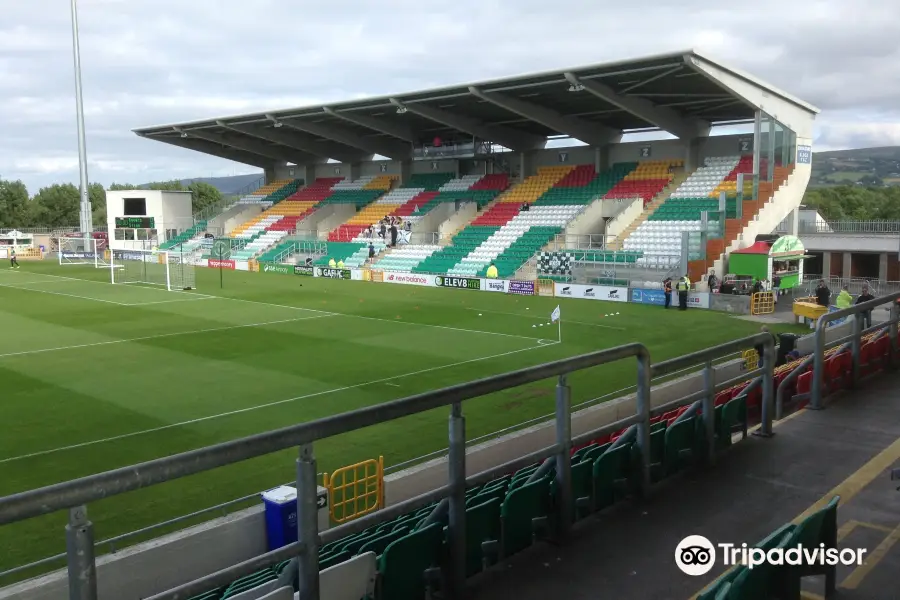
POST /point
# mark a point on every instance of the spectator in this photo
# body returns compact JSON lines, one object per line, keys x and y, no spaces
{"x":524,"y":207}
{"x":393,"y":243}
{"x":757,"y":287}
{"x":844,"y":299}
{"x":491,"y":271}
{"x":308,"y":261}
{"x":408,"y":225}
{"x":823,"y":294}
{"x":667,"y":291}
{"x":865,"y":296}
{"x":371,"y":251}
{"x":792,"y":356}
{"x":383,"y":229}
{"x":712,"y":280}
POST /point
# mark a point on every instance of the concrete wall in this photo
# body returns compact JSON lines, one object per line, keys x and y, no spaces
{"x":331,"y":170}
{"x":465,"y":214}
{"x":234,"y":216}
{"x":575,"y":155}
{"x":340,"y":215}
{"x":626,"y":217}
{"x":858,"y":242}
{"x":379,"y":167}
{"x":591,"y":220}
{"x":435,"y":166}
{"x":289,"y":172}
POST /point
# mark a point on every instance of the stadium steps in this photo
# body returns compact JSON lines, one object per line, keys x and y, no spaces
{"x":339,"y":251}
{"x":649,"y":209}
{"x":776,"y":200}
{"x":279,"y":191}
{"x":186,"y":235}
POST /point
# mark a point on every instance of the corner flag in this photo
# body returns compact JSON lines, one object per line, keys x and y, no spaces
{"x":554,"y":316}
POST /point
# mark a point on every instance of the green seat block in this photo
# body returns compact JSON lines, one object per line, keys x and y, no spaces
{"x":405,"y":561}
{"x":524,"y":515}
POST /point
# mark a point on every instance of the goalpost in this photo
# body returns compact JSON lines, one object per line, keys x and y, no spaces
{"x":82,"y":251}
{"x":170,"y":268}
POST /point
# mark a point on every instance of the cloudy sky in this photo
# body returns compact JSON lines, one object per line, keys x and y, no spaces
{"x":149,"y":62}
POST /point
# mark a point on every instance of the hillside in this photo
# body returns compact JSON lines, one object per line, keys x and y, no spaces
{"x":227,"y":185}
{"x":866,"y":166}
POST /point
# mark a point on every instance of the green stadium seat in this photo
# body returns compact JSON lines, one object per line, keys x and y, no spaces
{"x":380,"y":541}
{"x":610,"y":475}
{"x":482,"y":534}
{"x":404,"y":563}
{"x":524,"y":515}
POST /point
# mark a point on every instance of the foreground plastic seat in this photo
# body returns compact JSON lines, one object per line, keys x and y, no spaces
{"x":404,"y":563}
{"x":350,"y":580}
{"x":523,"y":515}
{"x":482,"y":534}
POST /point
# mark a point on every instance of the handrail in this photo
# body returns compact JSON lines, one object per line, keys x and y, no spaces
{"x":75,"y":494}
{"x":855,"y":310}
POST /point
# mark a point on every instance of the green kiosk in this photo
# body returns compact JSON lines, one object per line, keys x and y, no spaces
{"x":782,"y":260}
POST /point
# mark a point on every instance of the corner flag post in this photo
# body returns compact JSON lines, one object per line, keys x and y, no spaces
{"x":554,"y":316}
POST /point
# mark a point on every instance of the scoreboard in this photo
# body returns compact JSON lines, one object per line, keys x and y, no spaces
{"x":135,"y":223}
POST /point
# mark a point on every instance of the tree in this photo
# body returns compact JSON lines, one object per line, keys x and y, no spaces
{"x":58,"y":205}
{"x":203,"y":195}
{"x":98,"y":205}
{"x":855,"y":203}
{"x":15,"y":211}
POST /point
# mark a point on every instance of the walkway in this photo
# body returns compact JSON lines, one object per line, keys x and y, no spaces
{"x":847,"y":449}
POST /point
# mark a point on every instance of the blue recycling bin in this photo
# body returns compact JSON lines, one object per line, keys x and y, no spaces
{"x":281,"y":516}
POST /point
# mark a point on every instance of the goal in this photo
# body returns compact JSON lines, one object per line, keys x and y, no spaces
{"x":82,"y":251}
{"x":170,"y":269}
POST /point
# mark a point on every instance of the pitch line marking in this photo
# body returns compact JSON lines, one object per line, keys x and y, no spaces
{"x":261,"y":406}
{"x":157,"y":336}
{"x":24,"y":289}
{"x":509,"y":335}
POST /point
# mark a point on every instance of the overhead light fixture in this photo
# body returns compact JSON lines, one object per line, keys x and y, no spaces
{"x":183,"y":134}
{"x":402,"y":110}
{"x":277,"y":124}
{"x":576,"y":87}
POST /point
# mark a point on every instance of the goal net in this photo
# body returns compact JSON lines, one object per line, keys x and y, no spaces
{"x":82,"y":251}
{"x":170,"y":269}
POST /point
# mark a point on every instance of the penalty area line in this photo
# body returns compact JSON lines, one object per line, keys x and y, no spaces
{"x":384,"y":380}
{"x":497,"y":312}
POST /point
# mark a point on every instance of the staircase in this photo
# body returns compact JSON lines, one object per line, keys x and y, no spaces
{"x":651,"y":207}
{"x":776,"y":200}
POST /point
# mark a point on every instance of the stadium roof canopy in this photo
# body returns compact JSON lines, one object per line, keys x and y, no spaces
{"x":682,"y":93}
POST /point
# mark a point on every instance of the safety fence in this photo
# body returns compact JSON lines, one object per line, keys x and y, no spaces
{"x":75,"y":495}
{"x":355,"y":490}
{"x":762,"y":303}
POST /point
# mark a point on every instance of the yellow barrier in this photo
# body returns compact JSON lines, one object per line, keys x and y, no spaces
{"x":377,"y":275}
{"x":253,"y":265}
{"x":545,"y":287}
{"x":355,"y":490}
{"x":751,"y":359}
{"x":762,"y":303}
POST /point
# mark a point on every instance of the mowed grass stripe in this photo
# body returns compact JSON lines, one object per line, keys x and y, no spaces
{"x":324,"y":352}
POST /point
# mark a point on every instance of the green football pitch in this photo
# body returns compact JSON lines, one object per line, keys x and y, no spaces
{"x":95,"y":376}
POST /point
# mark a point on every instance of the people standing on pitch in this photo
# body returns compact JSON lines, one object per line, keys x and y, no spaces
{"x":667,"y":291}
{"x":13,"y":260}
{"x":491,"y":272}
{"x":865,"y":296}
{"x":823,"y":294}
{"x":682,"y":287}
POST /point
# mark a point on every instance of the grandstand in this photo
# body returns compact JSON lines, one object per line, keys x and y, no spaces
{"x":472,"y":168}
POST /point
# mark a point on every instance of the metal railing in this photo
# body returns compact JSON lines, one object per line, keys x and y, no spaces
{"x":852,"y":227}
{"x":855,"y":339}
{"x":74,"y":495}
{"x":579,"y":241}
{"x":854,"y":284}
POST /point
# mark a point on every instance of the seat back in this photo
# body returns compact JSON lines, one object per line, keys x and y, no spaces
{"x":518,"y":511}
{"x":404,"y":561}
{"x":350,"y":580}
{"x":482,"y":525}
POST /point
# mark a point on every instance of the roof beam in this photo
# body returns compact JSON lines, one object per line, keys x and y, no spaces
{"x":298,"y":141}
{"x":589,"y":133}
{"x":403,"y":132}
{"x":664,"y":118}
{"x":248,"y":144}
{"x":389,"y":148}
{"x":228,"y":153}
{"x":509,"y":138}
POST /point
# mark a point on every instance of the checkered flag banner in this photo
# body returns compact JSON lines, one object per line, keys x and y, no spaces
{"x":555,"y":263}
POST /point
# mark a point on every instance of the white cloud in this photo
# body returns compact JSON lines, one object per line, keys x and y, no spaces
{"x":148,"y":62}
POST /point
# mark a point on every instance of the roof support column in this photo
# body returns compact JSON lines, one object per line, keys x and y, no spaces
{"x":355,"y":171}
{"x":601,"y":158}
{"x":526,"y":164}
{"x":271,"y":175}
{"x":405,"y":171}
{"x":692,"y":158}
